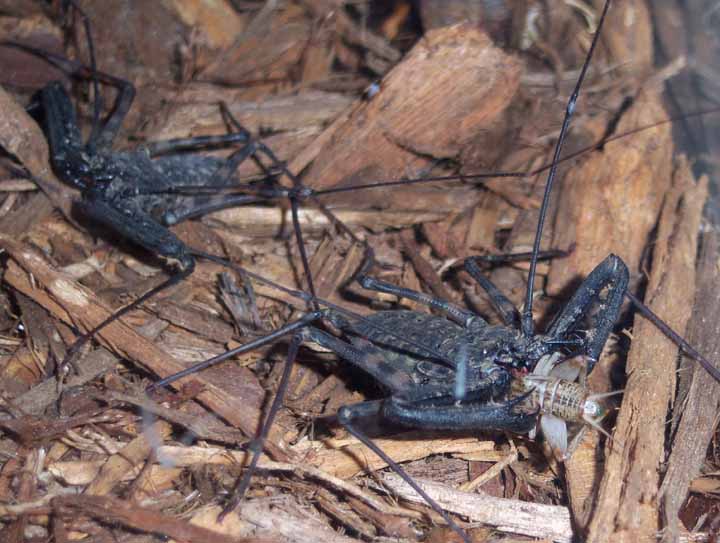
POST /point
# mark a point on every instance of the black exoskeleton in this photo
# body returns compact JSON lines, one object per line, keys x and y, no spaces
{"x":450,"y":372}
{"x":134,"y":193}
{"x":424,"y":392}
{"x":138,"y":193}
{"x":455,"y":372}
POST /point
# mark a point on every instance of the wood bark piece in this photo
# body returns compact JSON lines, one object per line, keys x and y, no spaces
{"x":264,"y":51}
{"x":271,"y":519}
{"x":364,"y":523}
{"x":379,"y":54}
{"x":253,"y":222}
{"x":631,"y":44}
{"x":204,"y":426}
{"x":39,"y":397}
{"x":453,"y":83}
{"x":76,"y":305}
{"x":700,"y":407}
{"x":197,"y":113}
{"x":422,"y":267}
{"x":583,"y":473}
{"x":126,"y":514}
{"x":294,"y":120}
{"x":628,"y":502}
{"x":536,"y":520}
{"x":347,"y":458}
{"x":21,"y":136}
{"x":610,"y":202}
{"x":124,"y":461}
{"x":81,"y":473}
{"x":218,"y":23}
{"x":331,"y":267}
{"x":343,"y":459}
{"x":187,"y":456}
{"x":22,"y":218}
{"x":20,"y":69}
{"x":439,"y":13}
{"x":77,"y":472}
{"x":27,"y":482}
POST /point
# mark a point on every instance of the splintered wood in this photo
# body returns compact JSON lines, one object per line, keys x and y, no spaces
{"x":629,"y":493}
{"x":452,"y":85}
{"x":346,"y":95}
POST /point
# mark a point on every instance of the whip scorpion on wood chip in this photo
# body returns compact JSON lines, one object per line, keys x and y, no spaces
{"x":394,"y":172}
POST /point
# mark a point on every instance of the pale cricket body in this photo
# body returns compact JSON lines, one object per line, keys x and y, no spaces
{"x":566,"y":407}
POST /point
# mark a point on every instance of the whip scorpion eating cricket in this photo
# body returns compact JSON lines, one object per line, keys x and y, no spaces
{"x":450,"y":372}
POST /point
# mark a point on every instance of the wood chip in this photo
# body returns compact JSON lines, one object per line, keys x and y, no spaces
{"x":627,"y":508}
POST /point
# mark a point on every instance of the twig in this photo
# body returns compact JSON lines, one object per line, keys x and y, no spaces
{"x":513,"y":516}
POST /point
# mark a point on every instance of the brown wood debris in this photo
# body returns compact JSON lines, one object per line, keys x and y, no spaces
{"x":349,"y":94}
{"x":629,"y":490}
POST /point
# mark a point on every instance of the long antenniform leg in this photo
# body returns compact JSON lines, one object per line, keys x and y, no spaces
{"x":346,"y":416}
{"x":426,"y":406}
{"x":128,"y":218}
